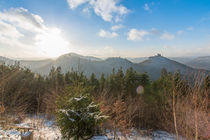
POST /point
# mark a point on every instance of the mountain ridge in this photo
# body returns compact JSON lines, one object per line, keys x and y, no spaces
{"x":88,"y":65}
{"x":200,"y":62}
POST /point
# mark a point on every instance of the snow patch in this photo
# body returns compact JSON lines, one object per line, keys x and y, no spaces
{"x":47,"y":129}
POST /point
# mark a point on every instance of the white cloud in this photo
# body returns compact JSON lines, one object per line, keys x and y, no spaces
{"x":180,"y":32}
{"x":116,"y":27}
{"x":190,"y":28}
{"x":8,"y":31}
{"x":108,"y":10}
{"x":135,"y":34}
{"x":108,"y":50}
{"x":75,"y":3}
{"x":23,"y":19}
{"x":107,"y":34}
{"x":86,"y":10}
{"x":146,"y":7}
{"x":28,"y":36}
{"x":102,"y":51}
{"x":154,"y":31}
{"x":167,"y":36}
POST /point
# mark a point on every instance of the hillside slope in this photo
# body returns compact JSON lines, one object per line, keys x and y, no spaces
{"x":200,"y":63}
{"x":155,"y":64}
{"x":88,"y":65}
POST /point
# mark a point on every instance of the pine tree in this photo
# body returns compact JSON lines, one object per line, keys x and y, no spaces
{"x":77,"y":115}
{"x":102,"y":82}
{"x":94,"y":82}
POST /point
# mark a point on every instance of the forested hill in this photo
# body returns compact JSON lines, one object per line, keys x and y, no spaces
{"x":155,"y":64}
{"x":200,"y":62}
{"x":88,"y":65}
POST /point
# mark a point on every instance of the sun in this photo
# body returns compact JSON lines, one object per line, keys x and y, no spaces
{"x":51,"y":43}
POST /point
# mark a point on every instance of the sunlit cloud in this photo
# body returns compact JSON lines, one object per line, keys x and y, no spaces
{"x":167,"y":36}
{"x":106,"y":51}
{"x":190,"y":28}
{"x":28,"y":36}
{"x":146,"y":7}
{"x":52,"y":43}
{"x":116,"y":27}
{"x":154,"y":31}
{"x":8,"y":31}
{"x":75,"y":3}
{"x":23,"y":19}
{"x":136,"y":35}
{"x":108,"y":10}
{"x":86,"y":11}
{"x":180,"y":32}
{"x":107,"y":34}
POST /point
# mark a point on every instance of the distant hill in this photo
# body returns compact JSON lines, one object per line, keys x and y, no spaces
{"x":155,"y":64}
{"x":31,"y":64}
{"x":191,"y":61}
{"x":87,"y":64}
{"x":200,"y":63}
{"x":137,"y":59}
{"x":81,"y":56}
{"x":183,"y":60}
{"x":6,"y":61}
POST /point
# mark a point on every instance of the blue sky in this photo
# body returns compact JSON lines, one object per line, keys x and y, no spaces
{"x":104,"y":28}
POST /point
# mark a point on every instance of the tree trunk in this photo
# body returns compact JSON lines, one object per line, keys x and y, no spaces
{"x":196,"y":118}
{"x":174,"y":115}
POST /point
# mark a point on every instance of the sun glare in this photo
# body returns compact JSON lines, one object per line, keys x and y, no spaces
{"x":51,"y":43}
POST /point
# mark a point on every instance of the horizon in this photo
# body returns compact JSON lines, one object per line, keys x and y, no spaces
{"x":102,"y":58}
{"x":176,"y":28}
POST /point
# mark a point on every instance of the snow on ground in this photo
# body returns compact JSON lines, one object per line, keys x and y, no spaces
{"x":9,"y":134}
{"x":42,"y":129}
{"x":162,"y":135}
{"x":46,"y":129}
{"x":100,"y":138}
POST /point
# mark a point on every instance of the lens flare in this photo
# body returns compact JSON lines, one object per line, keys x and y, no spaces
{"x":140,"y":89}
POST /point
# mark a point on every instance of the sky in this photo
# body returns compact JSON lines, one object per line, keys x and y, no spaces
{"x":36,"y":29}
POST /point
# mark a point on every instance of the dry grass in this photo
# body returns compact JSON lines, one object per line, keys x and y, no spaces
{"x":191,"y":114}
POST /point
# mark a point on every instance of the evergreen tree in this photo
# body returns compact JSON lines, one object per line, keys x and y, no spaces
{"x":102,"y":82}
{"x":77,"y":115}
{"x":68,"y":79}
{"x":94,"y":82}
{"x":119,"y":80}
{"x":60,"y":77}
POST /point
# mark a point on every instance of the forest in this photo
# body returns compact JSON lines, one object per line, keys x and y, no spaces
{"x":118,"y":102}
